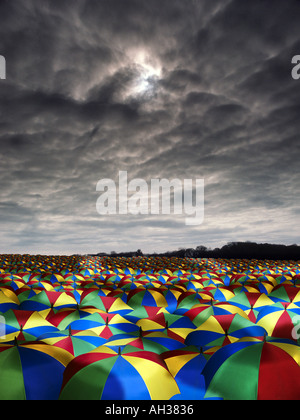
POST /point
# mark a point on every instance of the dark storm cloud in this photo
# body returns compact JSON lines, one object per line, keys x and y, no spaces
{"x":181,"y":89}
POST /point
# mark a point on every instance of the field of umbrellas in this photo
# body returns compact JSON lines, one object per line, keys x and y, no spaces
{"x":148,"y":328}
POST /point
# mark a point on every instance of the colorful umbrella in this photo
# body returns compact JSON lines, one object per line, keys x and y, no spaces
{"x":251,"y":303}
{"x":46,"y":299}
{"x":155,"y":341}
{"x":279,"y":319}
{"x":148,"y":297}
{"x":76,"y":343}
{"x":63,"y":317}
{"x":109,"y":375}
{"x":220,"y":330}
{"x":106,"y":303}
{"x":286,"y":293}
{"x":25,"y":325}
{"x":251,"y":369}
{"x":32,"y":371}
{"x":202,"y":311}
{"x":175,"y":326}
{"x":97,"y":322}
{"x":186,"y":367}
{"x":8,"y":300}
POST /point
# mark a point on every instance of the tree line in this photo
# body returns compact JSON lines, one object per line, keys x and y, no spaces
{"x":244,"y":250}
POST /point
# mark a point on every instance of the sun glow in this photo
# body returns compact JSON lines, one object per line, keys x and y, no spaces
{"x":147,"y":72}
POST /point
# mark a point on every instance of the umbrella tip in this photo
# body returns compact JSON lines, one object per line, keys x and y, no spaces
{"x":16,"y":342}
{"x":119,"y":351}
{"x":265,"y":337}
{"x":70,"y":330}
{"x":106,"y":321}
{"x":140,"y":332}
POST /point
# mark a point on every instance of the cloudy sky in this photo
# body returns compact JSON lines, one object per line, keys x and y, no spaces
{"x":185,"y":89}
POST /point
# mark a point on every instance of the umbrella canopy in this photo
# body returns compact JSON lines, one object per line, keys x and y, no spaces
{"x":109,"y":375}
{"x":202,"y":311}
{"x":251,"y":369}
{"x":97,"y":322}
{"x":279,"y":319}
{"x":175,"y":326}
{"x":251,"y":303}
{"x":155,"y":341}
{"x":148,"y":297}
{"x":286,"y":293}
{"x":64,"y":316}
{"x":76,"y":343}
{"x":144,"y":312}
{"x":186,"y":367}
{"x":188,"y":299}
{"x":220,"y":330}
{"x":32,"y":371}
{"x":8,"y":300}
{"x":25,"y":325}
{"x":106,"y":303}
{"x":46,"y":299}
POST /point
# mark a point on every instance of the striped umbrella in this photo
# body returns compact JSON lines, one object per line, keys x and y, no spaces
{"x":251,"y":303}
{"x":31,"y":371}
{"x":155,"y":341}
{"x":97,"y":322}
{"x":104,"y":374}
{"x":25,"y":325}
{"x":280,"y":319}
{"x":220,"y":330}
{"x":202,"y":311}
{"x":186,"y":366}
{"x":75,"y":342}
{"x":48,"y":299}
{"x":252,"y":369}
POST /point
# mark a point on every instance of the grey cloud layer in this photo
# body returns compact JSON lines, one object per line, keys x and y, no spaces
{"x":224,"y":108}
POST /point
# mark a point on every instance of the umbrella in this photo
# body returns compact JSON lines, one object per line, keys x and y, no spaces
{"x":98,"y":322}
{"x":109,"y":303}
{"x":175,"y":326}
{"x":26,"y":292}
{"x":222,"y":293}
{"x":8,"y":300}
{"x":32,"y":371}
{"x":202,"y":311}
{"x":187,"y":300}
{"x":220,"y":330}
{"x":109,"y":375}
{"x":251,"y":369}
{"x":46,"y":299}
{"x":148,"y":297}
{"x":186,"y":367}
{"x":286,"y":293}
{"x":76,"y":343}
{"x":155,"y":341}
{"x":279,"y":319}
{"x":25,"y":325}
{"x":64,"y":316}
{"x":251,"y":303}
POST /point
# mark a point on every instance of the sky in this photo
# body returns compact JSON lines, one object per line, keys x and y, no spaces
{"x":162,"y":89}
